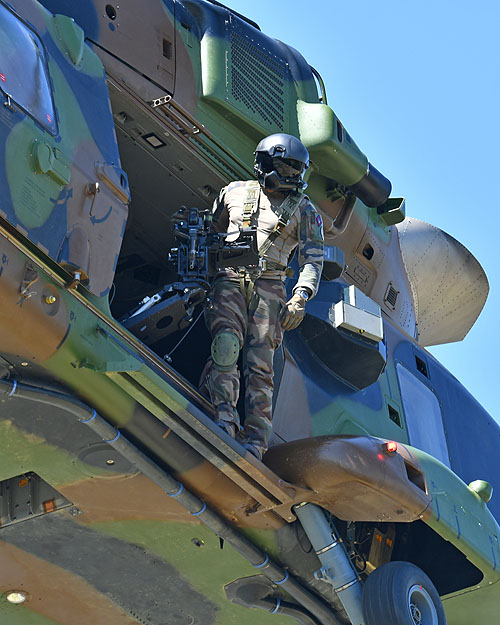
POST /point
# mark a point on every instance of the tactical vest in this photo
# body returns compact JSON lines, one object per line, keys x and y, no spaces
{"x":286,"y":211}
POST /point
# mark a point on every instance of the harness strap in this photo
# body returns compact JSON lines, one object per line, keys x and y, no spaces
{"x":247,"y":290}
{"x":250,"y":206}
{"x":251,"y":202}
{"x":286,"y":211}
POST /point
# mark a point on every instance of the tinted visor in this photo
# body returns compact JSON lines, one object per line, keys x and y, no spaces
{"x":288,"y":167}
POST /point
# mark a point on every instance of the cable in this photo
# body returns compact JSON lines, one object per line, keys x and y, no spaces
{"x":168,"y":357}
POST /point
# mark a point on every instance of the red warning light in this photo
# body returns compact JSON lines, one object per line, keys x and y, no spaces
{"x":3,"y":78}
{"x":391,"y":447}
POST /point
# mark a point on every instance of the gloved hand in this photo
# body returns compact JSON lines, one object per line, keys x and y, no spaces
{"x":293,"y":312}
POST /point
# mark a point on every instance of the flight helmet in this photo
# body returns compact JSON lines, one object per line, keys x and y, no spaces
{"x":280,"y":163}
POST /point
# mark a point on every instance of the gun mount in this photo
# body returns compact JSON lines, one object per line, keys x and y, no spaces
{"x":200,"y":254}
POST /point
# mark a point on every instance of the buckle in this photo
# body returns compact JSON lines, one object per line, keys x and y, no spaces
{"x":251,"y":274}
{"x":270,"y":265}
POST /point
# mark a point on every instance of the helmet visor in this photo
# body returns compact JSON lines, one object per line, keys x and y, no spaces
{"x":288,"y":167}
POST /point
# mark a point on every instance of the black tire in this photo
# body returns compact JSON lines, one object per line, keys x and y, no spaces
{"x":399,"y":593}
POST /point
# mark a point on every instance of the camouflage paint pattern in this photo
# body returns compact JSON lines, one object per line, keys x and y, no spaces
{"x":67,"y":192}
{"x":197,"y":108}
{"x":81,"y":349}
{"x":457,"y":513}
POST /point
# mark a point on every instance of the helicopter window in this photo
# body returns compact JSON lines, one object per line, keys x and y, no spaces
{"x":23,"y":70}
{"x":368,"y":251}
{"x":394,"y":415}
{"x":423,"y":415}
{"x":421,"y":366}
{"x":111,"y":11}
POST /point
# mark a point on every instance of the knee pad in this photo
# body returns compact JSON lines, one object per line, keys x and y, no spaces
{"x":225,"y":350}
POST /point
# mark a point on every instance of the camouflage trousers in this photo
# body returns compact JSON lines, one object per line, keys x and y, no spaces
{"x":259,"y":332}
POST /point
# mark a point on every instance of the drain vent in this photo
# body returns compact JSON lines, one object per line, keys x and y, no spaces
{"x":391,"y":296}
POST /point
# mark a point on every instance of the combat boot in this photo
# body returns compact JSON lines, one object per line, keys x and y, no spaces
{"x":255,"y":447}
{"x":228,"y":419}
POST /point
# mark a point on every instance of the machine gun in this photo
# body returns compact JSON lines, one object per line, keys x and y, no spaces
{"x":200,"y":254}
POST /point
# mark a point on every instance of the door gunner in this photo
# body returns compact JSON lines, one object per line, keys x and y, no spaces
{"x":248,"y":308}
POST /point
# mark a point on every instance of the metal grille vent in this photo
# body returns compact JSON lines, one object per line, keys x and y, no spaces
{"x":258,"y":79}
{"x":391,"y":296}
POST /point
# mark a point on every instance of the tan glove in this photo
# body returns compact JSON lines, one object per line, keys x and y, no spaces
{"x":293,"y":312}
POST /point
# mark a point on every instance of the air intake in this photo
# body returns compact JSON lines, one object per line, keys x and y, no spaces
{"x":258,"y":79}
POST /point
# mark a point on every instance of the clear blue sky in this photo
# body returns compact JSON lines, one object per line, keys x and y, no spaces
{"x":416,"y":84}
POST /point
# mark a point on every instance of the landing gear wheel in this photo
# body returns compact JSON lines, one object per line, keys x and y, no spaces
{"x":399,"y":593}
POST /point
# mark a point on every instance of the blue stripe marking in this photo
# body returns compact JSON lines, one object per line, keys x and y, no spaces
{"x":283,"y":580}
{"x":177,"y":492}
{"x":278,"y":603}
{"x":262,"y":564}
{"x":13,"y":390}
{"x":204,"y":507}
{"x":91,"y":418}
{"x":115,"y":438}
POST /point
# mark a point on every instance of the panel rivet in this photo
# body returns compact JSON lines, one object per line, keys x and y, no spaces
{"x":50,"y":299}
